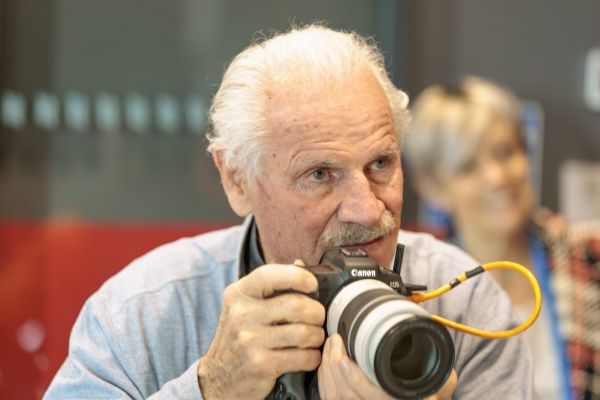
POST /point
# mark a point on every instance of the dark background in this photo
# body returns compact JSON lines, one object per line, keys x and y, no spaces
{"x":123,"y":47}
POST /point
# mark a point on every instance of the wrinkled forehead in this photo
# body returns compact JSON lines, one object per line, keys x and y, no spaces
{"x":293,"y":111}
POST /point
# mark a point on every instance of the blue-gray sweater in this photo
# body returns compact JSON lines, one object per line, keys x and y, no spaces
{"x":141,"y":334}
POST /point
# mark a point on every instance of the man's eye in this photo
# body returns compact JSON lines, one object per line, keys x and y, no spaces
{"x":379,"y":164}
{"x":319,"y":175}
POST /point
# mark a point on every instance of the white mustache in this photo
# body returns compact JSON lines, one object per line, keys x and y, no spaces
{"x":348,"y":233}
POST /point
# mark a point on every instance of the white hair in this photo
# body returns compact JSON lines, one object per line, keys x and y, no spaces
{"x":448,"y":123}
{"x":310,"y":56}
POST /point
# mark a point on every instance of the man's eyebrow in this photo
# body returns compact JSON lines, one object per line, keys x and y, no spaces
{"x":389,"y":153}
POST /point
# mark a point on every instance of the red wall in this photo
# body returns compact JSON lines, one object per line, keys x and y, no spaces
{"x":47,"y":270}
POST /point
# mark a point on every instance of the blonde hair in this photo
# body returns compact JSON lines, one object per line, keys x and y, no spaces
{"x":310,"y":56}
{"x":449,"y":122}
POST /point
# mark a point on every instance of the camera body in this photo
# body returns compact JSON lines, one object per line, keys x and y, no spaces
{"x":393,"y":340}
{"x":339,"y":267}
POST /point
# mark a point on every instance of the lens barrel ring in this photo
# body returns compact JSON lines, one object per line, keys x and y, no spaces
{"x":356,"y":311}
{"x":435,"y":375}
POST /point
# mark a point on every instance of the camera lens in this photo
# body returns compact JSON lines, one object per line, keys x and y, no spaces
{"x":392,"y":339}
{"x":414,"y":358}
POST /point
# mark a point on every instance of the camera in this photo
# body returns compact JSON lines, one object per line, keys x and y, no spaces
{"x":392,"y":339}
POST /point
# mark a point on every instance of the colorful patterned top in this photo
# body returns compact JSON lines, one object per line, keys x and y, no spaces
{"x":573,"y":259}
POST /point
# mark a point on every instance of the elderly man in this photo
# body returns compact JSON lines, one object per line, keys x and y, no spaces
{"x":307,"y":131}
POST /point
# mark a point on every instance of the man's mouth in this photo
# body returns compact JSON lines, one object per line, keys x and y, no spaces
{"x":364,"y":245}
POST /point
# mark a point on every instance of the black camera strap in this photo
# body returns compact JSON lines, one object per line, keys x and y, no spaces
{"x":251,"y":254}
{"x":397,"y":266}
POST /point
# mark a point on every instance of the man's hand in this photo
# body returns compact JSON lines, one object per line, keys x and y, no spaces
{"x":260,"y":337}
{"x":342,"y":378}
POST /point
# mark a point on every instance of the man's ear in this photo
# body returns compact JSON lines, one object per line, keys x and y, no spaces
{"x":433,"y":193}
{"x":235,"y":186}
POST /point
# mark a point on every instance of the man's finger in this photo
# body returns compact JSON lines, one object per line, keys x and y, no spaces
{"x":360,"y":384}
{"x":445,"y":393}
{"x":293,"y":335}
{"x":293,"y":360}
{"x":327,"y":388}
{"x":294,"y":307}
{"x":338,"y":358}
{"x":267,"y":280}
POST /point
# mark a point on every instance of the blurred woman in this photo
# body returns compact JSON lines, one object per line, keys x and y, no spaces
{"x":467,"y":156}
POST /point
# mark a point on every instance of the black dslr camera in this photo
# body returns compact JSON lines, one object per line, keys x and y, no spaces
{"x":392,"y":339}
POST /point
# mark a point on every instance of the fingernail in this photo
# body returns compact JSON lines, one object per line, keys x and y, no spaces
{"x":338,"y":339}
{"x":298,"y":262}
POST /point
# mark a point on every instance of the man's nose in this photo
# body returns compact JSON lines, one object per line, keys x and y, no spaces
{"x":360,"y":205}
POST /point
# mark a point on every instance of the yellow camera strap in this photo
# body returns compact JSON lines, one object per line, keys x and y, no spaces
{"x":421,"y":297}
